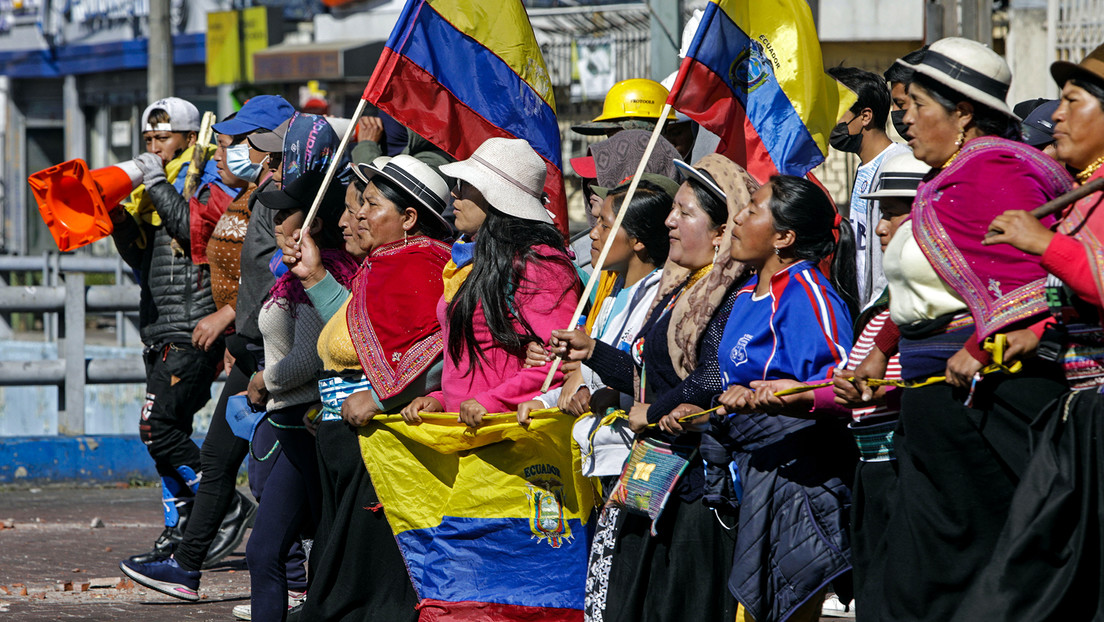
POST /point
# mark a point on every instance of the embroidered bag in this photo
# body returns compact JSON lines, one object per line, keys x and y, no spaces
{"x":649,"y":476}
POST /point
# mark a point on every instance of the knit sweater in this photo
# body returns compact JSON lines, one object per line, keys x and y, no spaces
{"x":225,"y":249}
{"x":291,"y":353}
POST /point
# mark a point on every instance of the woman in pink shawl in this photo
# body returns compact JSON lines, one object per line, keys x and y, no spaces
{"x":1047,"y":564}
{"x":959,"y":464}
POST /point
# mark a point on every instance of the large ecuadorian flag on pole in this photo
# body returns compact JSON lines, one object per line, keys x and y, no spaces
{"x":461,"y":71}
{"x":491,"y":522}
{"x":754,"y":76}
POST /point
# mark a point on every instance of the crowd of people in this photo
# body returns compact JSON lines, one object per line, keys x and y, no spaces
{"x":894,"y":405}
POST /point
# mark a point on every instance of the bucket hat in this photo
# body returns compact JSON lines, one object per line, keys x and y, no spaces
{"x":418,"y":179}
{"x":509,"y":174}
{"x":969,"y":68}
{"x":1091,"y":69}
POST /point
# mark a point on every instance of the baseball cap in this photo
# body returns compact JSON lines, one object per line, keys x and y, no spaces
{"x":1037,"y":127}
{"x":183,"y":116}
{"x":270,"y":142}
{"x":263,"y":112}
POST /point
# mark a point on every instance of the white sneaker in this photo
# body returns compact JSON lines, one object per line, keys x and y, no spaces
{"x":245,"y":612}
{"x":835,"y":608}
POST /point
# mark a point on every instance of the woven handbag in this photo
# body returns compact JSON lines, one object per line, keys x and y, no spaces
{"x":649,"y":476}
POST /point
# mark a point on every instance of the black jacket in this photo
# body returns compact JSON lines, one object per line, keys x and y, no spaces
{"x":176,"y":293}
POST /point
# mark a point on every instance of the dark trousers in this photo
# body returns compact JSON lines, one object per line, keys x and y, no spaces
{"x":178,"y":383}
{"x":220,"y":458}
{"x":287,"y":486}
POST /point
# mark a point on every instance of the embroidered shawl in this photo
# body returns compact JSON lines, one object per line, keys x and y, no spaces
{"x":1085,"y":222}
{"x":392,"y":314}
{"x":952,"y":211}
{"x":696,"y":306}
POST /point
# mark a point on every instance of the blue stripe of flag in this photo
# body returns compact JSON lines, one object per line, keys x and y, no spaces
{"x":496,"y":560}
{"x":717,"y":46}
{"x":478,"y":78}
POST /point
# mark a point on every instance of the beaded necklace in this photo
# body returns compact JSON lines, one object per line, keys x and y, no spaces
{"x":1084,"y":175}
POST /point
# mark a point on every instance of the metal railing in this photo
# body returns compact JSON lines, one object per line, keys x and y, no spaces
{"x":50,"y":265}
{"x":72,"y":370}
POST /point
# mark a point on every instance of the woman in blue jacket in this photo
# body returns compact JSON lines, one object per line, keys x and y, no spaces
{"x":788,"y":321}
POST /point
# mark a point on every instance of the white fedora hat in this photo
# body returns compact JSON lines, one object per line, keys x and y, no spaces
{"x":969,"y":68}
{"x":509,"y":174}
{"x":418,"y":179}
{"x":899,"y":177}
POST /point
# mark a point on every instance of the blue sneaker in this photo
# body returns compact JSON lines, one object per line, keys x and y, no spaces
{"x":165,"y":576}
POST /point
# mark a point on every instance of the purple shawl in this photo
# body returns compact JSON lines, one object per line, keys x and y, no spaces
{"x":952,"y":211}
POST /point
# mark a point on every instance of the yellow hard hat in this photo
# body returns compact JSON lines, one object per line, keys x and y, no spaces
{"x":637,"y":98}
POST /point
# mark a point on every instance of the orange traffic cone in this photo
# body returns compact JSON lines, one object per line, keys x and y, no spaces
{"x":74,"y":201}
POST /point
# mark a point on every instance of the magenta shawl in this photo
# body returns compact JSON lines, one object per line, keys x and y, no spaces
{"x":952,"y":211}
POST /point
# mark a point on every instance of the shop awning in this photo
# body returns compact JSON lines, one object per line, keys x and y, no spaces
{"x":333,"y":60}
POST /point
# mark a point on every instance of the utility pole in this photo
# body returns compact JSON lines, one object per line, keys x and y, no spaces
{"x":159,"y":74}
{"x":666,"y":31}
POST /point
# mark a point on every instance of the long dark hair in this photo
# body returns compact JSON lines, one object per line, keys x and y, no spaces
{"x":504,"y":245}
{"x":644,"y":218}
{"x":990,"y":122}
{"x":799,"y":205}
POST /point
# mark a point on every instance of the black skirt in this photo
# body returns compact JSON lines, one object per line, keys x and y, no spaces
{"x":958,"y":467}
{"x":679,"y":575}
{"x":1049,"y":561}
{"x":356,"y":570}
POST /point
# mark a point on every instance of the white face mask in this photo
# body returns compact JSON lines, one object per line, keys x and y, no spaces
{"x":239,"y":164}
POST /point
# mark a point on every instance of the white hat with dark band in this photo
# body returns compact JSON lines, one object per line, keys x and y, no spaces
{"x":970,"y":68}
{"x":417,"y":178}
{"x":899,"y":178}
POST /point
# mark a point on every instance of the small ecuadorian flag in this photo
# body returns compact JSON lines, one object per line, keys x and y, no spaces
{"x":754,"y":76}
{"x":491,"y":522}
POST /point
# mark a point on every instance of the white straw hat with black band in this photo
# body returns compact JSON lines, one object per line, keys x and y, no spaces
{"x":970,"y":68}
{"x":899,"y":177}
{"x":509,"y":174}
{"x":701,"y":176}
{"x":417,"y":178}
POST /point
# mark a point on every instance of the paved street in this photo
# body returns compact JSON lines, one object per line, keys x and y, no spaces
{"x":48,"y":551}
{"x":47,"y":544}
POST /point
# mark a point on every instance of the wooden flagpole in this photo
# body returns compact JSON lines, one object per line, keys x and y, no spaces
{"x":597,"y":268}
{"x":330,"y":172}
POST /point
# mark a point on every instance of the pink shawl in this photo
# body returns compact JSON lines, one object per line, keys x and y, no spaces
{"x":952,"y":211}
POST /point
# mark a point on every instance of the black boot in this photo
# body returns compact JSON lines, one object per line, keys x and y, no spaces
{"x":238,"y":518}
{"x":166,"y":543}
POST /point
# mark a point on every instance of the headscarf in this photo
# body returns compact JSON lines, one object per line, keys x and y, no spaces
{"x":393,"y":312}
{"x":617,"y":157}
{"x":309,"y":145}
{"x":696,"y":306}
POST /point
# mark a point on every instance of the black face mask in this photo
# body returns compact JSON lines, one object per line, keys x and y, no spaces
{"x":897,"y":117}
{"x":841,"y":140}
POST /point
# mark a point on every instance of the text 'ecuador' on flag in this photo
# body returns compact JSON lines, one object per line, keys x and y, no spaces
{"x":754,"y":76}
{"x":458,"y":72}
{"x":491,"y":522}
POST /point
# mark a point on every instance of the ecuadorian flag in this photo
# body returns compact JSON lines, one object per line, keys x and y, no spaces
{"x":491,"y":522}
{"x":461,"y":71}
{"x":754,"y":76}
